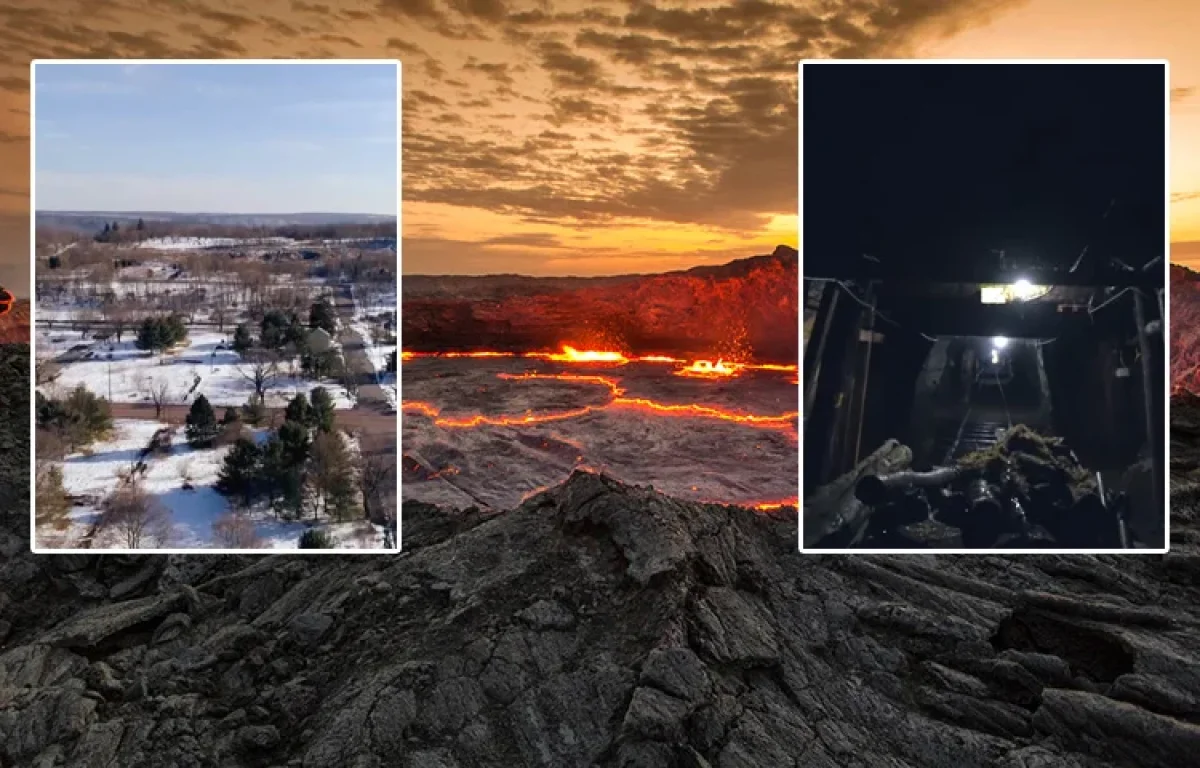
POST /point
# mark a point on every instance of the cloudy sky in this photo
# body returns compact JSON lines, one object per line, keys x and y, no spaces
{"x":555,"y":137}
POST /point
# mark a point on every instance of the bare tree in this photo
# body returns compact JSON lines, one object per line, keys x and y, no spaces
{"x":377,"y":483}
{"x":83,"y":319}
{"x":331,"y":476}
{"x":119,"y":316}
{"x":260,"y":368}
{"x":46,"y":369}
{"x":160,"y":394}
{"x":137,"y":520}
{"x":235,"y":529}
{"x":220,"y":314}
{"x":51,"y":502}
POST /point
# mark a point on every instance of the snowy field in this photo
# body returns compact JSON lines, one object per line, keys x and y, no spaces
{"x":384,"y":304}
{"x":199,"y":243}
{"x":96,"y":474}
{"x":204,"y":366}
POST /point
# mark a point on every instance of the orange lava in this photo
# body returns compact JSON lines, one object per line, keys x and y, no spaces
{"x":782,"y":421}
{"x":771,"y":506}
{"x":571,"y":355}
{"x":785,"y":421}
{"x":475,"y":354}
{"x":416,"y":406}
{"x":772,"y":367}
{"x":583,"y":378}
{"x":707,"y":369}
{"x":657,"y":359}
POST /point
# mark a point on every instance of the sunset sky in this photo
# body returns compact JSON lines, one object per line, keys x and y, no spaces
{"x":553,"y":137}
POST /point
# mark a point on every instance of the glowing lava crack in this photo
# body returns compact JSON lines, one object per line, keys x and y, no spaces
{"x":784,"y":422}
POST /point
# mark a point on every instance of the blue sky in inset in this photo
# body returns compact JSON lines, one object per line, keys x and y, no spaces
{"x":216,"y":138}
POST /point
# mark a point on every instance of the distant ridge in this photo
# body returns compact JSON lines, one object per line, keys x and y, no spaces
{"x":14,"y":325}
{"x":746,"y":309}
{"x":737,"y":267}
{"x":91,"y":221}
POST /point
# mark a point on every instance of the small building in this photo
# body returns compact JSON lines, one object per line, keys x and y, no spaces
{"x":319,"y":340}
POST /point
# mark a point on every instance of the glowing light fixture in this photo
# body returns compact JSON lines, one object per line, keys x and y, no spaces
{"x":1021,"y":290}
{"x":999,"y":342}
{"x":995,"y":357}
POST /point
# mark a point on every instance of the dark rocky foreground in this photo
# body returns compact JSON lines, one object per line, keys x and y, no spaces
{"x":600,"y":625}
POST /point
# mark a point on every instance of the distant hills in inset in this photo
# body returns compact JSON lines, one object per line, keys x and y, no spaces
{"x":93,"y":221}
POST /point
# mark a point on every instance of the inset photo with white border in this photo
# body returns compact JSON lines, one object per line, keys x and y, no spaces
{"x":216,"y":261}
{"x":983,"y":250}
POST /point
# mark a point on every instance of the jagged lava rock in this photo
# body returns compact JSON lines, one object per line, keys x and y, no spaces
{"x":600,"y":624}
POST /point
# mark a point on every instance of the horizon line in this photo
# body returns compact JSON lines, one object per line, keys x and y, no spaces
{"x":214,"y":212}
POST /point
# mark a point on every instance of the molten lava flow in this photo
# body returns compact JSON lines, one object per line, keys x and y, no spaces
{"x":416,"y":406}
{"x":772,"y":367}
{"x":657,"y":359}
{"x":479,"y":419}
{"x":583,"y":378}
{"x":771,"y":506}
{"x":571,"y":355}
{"x":477,"y":354}
{"x":707,"y":369}
{"x":784,"y":421}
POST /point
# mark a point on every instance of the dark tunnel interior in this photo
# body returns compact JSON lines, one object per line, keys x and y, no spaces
{"x":984,"y":259}
{"x":1078,"y":368}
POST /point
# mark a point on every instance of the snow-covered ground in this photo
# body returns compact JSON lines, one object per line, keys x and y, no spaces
{"x":197,"y":243}
{"x":379,"y":353}
{"x":204,"y":366}
{"x":192,"y":513}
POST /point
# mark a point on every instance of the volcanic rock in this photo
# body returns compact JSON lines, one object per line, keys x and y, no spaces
{"x":601,"y":624}
{"x":746,"y":309}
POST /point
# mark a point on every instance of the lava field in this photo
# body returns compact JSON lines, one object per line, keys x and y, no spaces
{"x":487,"y":430}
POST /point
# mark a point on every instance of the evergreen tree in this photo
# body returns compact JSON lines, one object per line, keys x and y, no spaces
{"x":322,"y":412}
{"x":141,"y":225}
{"x":201,"y":425}
{"x":316,"y":538}
{"x":297,"y":334}
{"x":241,"y":472}
{"x":321,"y":315}
{"x":317,"y":365}
{"x":298,"y":411}
{"x":242,"y":340}
{"x":161,"y":333}
{"x":273,"y":467}
{"x":283,"y":479}
{"x":116,"y":227}
{"x":231,"y":416}
{"x":55,"y":262}
{"x":296,"y":443}
{"x":146,"y":335}
{"x":176,"y":329}
{"x":280,"y":329}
